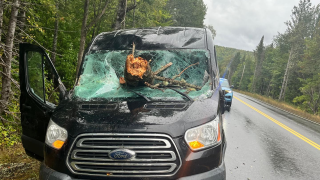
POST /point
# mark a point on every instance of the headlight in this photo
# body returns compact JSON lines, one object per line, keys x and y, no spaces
{"x":56,"y":136}
{"x":228,"y":91}
{"x":204,"y":136}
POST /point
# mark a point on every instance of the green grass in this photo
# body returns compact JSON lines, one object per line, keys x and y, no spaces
{"x":283,"y":105}
{"x":16,"y":164}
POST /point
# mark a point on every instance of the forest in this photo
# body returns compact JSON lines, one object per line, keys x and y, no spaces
{"x":64,"y":28}
{"x":286,"y":70}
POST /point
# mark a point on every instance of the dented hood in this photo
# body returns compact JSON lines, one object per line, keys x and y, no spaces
{"x":133,"y":116}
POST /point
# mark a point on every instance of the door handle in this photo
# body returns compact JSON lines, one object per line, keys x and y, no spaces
{"x":26,"y":107}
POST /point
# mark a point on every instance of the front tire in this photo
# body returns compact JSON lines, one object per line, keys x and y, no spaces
{"x":228,"y":108}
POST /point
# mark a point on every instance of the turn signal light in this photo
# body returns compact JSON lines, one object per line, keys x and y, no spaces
{"x":219,"y":134}
{"x":195,"y":144}
{"x":57,"y":144}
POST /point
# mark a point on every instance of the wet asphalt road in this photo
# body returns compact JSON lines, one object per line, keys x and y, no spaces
{"x":259,"y":148}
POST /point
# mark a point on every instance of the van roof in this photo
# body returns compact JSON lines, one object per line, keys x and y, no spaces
{"x":151,"y":38}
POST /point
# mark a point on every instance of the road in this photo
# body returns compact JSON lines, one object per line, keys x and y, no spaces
{"x":264,"y":142}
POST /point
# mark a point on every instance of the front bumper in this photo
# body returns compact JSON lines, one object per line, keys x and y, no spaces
{"x":228,"y":98}
{"x":218,"y":173}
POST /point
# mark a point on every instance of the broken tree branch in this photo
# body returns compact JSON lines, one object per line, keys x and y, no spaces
{"x":138,"y":72}
{"x":153,"y":86}
{"x":174,"y":77}
{"x":176,"y":82}
{"x":133,"y":48}
{"x":162,"y":68}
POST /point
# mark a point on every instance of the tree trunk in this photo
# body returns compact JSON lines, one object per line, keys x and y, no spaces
{"x":285,"y":77}
{"x":96,"y":28}
{"x":85,"y":28}
{"x":6,"y":79}
{"x":1,"y":17}
{"x":121,"y":13}
{"x":83,"y":34}
{"x":133,"y":14}
{"x":253,"y":80}
{"x":268,"y":90}
{"x":244,"y":67}
{"x":94,"y":15}
{"x":55,"y":37}
{"x":124,"y":17}
{"x":21,"y":23}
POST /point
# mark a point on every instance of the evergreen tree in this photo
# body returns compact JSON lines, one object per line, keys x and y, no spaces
{"x":259,"y":57}
{"x":187,"y":13}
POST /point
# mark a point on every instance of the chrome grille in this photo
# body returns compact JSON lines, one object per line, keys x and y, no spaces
{"x":156,"y":155}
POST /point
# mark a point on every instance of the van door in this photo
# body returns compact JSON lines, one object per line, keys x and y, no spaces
{"x":41,"y":91}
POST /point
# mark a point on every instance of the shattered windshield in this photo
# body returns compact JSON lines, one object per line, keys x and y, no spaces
{"x":103,"y":73}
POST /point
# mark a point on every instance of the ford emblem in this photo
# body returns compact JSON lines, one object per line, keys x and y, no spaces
{"x":122,"y":154}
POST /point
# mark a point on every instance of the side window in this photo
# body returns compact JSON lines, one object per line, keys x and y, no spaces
{"x":51,"y":84}
{"x":43,"y":81}
{"x":35,"y":74}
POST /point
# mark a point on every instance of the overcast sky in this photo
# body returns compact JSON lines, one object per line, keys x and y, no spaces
{"x":241,"y":23}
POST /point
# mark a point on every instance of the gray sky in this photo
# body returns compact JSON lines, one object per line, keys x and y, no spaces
{"x":241,"y":23}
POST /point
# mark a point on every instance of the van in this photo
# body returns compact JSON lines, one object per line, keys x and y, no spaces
{"x":228,"y":93}
{"x":109,"y":127}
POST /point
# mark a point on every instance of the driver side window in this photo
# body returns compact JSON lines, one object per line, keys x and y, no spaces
{"x":41,"y":78}
{"x":35,"y":74}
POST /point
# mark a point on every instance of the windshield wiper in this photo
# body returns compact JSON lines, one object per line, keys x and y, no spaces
{"x":141,"y":95}
{"x":181,"y":93}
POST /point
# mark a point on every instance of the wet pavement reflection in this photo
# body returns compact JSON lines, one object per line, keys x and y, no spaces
{"x":257,"y":148}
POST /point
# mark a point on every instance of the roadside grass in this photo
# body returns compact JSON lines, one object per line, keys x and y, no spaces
{"x":282,"y":105}
{"x":16,"y":164}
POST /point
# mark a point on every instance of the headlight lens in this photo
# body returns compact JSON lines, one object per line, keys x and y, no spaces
{"x":228,"y":91}
{"x":204,"y":136}
{"x":56,"y":136}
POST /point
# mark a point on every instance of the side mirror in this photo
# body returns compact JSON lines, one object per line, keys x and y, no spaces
{"x":232,"y":86}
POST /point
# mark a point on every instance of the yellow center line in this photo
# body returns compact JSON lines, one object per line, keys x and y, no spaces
{"x":282,"y":125}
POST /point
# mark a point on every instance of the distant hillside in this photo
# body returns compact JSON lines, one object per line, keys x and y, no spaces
{"x":225,"y":54}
